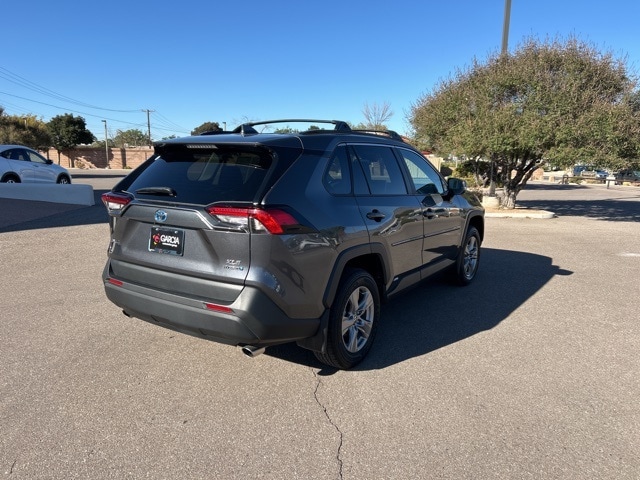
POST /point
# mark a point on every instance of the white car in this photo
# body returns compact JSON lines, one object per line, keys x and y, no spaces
{"x":22,"y":164}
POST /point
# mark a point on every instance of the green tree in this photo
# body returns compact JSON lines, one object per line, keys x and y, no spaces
{"x":206,"y":127}
{"x":548,"y":101}
{"x":24,"y":130}
{"x":130,"y":138}
{"x":68,"y":131}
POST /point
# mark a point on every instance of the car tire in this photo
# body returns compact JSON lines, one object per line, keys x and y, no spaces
{"x":64,"y":180}
{"x":10,"y":179}
{"x":353,"y":320}
{"x":468,"y":260}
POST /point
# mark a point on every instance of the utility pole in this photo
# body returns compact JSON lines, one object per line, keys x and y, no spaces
{"x":505,"y":26}
{"x":148,"y":125}
{"x":503,"y":51}
{"x":106,"y":143}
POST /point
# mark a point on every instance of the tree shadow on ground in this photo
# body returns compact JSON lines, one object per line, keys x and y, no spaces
{"x":624,"y":209}
{"x":436,"y":313}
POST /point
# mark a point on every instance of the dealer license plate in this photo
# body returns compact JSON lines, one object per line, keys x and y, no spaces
{"x":166,"y":240}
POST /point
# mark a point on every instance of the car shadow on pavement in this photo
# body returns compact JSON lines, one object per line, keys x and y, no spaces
{"x":18,"y":215}
{"x":437,"y":313}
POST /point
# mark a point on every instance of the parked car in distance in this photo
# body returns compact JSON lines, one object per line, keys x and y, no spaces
{"x":628,"y":175}
{"x":598,"y":174}
{"x":20,"y":164}
{"x":256,"y":239}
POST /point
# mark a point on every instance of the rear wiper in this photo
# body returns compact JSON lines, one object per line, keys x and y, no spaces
{"x":167,"y":191}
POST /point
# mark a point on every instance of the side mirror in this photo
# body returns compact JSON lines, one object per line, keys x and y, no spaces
{"x":456,"y":186}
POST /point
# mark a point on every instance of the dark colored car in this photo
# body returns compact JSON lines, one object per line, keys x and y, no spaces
{"x":257,"y":239}
{"x":631,"y":176}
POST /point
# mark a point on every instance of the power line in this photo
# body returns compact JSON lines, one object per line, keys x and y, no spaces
{"x":168,"y":123}
{"x":63,"y":108}
{"x":23,"y":82}
{"x":164,"y":123}
{"x":135,"y":124}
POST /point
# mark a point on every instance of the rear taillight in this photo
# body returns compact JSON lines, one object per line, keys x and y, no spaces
{"x":274,"y":221}
{"x":115,"y":202}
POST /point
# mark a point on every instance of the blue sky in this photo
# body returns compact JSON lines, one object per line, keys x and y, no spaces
{"x":199,"y":61}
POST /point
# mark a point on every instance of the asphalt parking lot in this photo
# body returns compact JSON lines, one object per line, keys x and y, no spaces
{"x":532,"y":372}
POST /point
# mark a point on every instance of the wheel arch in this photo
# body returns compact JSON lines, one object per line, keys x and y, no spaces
{"x":371,"y":258}
{"x":476,"y":221}
{"x":9,"y":175}
{"x":63,"y":175}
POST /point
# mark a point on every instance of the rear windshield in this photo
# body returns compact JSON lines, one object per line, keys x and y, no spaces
{"x":200,"y":175}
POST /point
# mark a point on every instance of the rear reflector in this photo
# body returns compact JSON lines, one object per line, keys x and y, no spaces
{"x":115,"y":282}
{"x":218,"y":308}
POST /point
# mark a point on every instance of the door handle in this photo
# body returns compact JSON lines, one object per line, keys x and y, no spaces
{"x":375,"y":215}
{"x":434,"y":212}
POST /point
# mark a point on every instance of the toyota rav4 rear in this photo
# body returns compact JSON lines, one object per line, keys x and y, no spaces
{"x":255,"y":239}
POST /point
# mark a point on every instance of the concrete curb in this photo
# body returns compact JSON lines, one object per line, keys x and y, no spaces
{"x":519,"y":213}
{"x":75,"y":194}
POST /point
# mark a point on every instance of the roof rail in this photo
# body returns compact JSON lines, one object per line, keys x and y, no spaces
{"x":213,"y":132}
{"x":386,"y":133}
{"x":248,"y":128}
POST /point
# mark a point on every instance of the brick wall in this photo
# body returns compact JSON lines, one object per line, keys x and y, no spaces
{"x":88,"y":157}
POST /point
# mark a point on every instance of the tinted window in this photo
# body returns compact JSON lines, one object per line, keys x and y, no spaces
{"x":35,"y":158}
{"x":203,"y":175}
{"x":337,"y":177}
{"x":16,"y":154}
{"x":380,"y":169}
{"x":425,"y":178}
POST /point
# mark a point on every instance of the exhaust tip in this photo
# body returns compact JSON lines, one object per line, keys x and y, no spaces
{"x":251,"y":351}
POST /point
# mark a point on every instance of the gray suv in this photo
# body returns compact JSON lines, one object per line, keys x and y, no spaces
{"x":255,"y":239}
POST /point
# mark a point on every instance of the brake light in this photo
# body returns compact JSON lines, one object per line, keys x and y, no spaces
{"x":115,"y":202}
{"x":274,"y":221}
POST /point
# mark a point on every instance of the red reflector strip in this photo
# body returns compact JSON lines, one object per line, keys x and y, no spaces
{"x":218,"y":308}
{"x":229,"y":211}
{"x":115,"y":282}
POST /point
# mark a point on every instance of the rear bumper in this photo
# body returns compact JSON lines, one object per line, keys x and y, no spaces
{"x":254,"y":320}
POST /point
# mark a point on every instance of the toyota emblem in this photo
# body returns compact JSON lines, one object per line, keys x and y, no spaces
{"x":160,"y":216}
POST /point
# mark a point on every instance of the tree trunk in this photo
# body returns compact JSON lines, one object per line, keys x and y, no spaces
{"x":509,"y":200}
{"x":516,"y":174}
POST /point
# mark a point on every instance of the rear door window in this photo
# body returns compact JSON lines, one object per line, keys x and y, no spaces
{"x":381,"y":170}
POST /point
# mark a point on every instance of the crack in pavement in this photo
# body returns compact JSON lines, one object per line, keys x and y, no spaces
{"x":326,"y":414}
